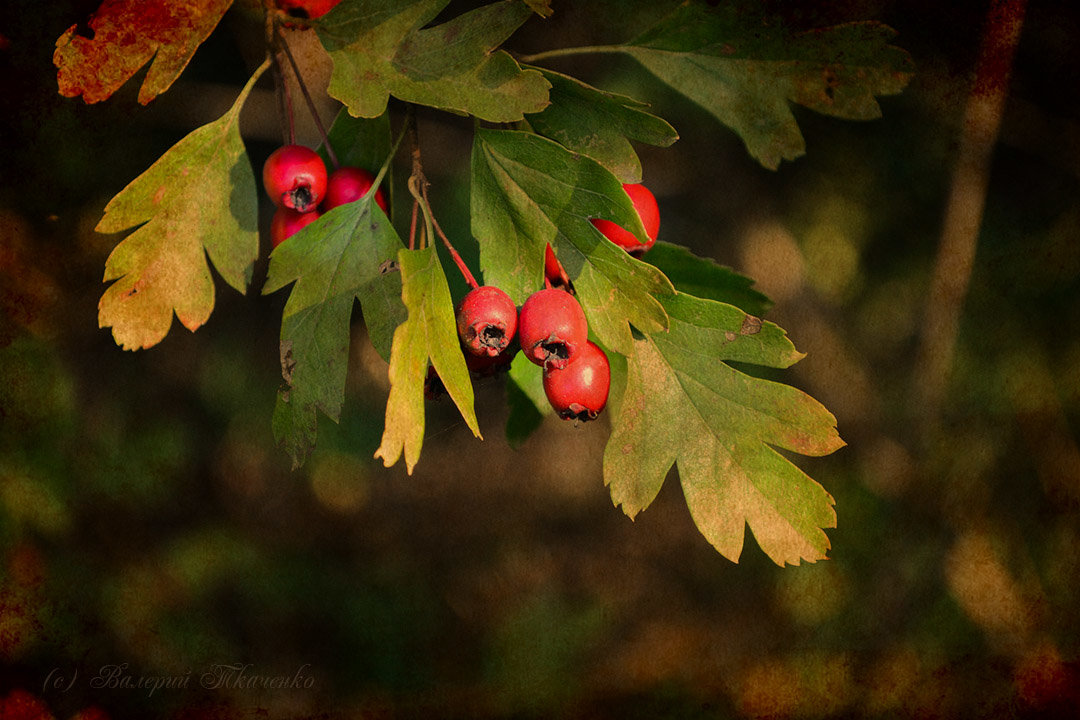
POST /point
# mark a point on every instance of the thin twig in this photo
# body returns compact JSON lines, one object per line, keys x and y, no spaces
{"x":964,"y":212}
{"x":307,"y":98}
{"x":281,"y":88}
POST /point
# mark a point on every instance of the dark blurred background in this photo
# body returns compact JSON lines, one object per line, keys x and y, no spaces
{"x":148,"y":521}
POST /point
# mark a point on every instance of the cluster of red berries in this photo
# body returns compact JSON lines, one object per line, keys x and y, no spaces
{"x":295,"y":178}
{"x":551,"y":327}
{"x":552,"y":331}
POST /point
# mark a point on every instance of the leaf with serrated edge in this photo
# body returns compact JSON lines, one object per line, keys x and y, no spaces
{"x":184,"y":216}
{"x":429,"y":332}
{"x":347,"y":254}
{"x":683,"y":404}
{"x":127,"y":34}
{"x":379,"y":49}
{"x":746,"y":73}
{"x":600,"y":124}
{"x":704,"y":278}
{"x":528,"y":191}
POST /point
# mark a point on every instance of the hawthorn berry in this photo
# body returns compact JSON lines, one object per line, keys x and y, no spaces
{"x":306,"y":9}
{"x":350,"y":183}
{"x":488,"y":365}
{"x":553,"y":271}
{"x":486,"y":320}
{"x":287,"y":223}
{"x":647,"y":209}
{"x":579,"y":391}
{"x":552,"y":327}
{"x":295,"y":177}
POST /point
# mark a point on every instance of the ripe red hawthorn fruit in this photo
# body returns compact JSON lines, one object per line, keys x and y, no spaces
{"x":347,"y":184}
{"x":552,"y":328}
{"x":579,"y":391}
{"x":307,"y":9}
{"x":648,"y":211}
{"x":486,"y":320}
{"x":287,"y":223}
{"x":295,"y":177}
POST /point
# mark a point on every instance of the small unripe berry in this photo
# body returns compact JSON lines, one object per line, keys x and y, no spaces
{"x":647,"y":209}
{"x":552,"y":327}
{"x":287,"y":223}
{"x":486,"y":320}
{"x":579,"y":391}
{"x":347,"y":184}
{"x":295,"y":177}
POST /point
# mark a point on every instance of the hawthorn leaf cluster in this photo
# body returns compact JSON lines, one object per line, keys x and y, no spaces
{"x":550,"y":153}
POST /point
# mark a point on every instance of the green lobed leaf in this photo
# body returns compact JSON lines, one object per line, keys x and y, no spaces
{"x":600,"y":125}
{"x":183,"y":214}
{"x":746,"y":73}
{"x":380,"y":49}
{"x":347,"y":254}
{"x":704,"y":278}
{"x":525,"y":400}
{"x":359,"y":142}
{"x":429,"y":332}
{"x":528,"y":191}
{"x":681,"y":404}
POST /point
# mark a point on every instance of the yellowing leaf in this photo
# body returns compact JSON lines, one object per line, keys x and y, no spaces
{"x":127,"y":34}
{"x":198,"y":199}
{"x":429,"y":332}
{"x":683,"y":404}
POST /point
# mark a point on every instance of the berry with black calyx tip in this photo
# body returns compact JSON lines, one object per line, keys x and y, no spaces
{"x":579,"y":391}
{"x":486,"y":320}
{"x":294,"y":177}
{"x":552,"y":327}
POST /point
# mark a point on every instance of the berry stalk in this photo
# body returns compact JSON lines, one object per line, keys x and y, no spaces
{"x":307,"y":97}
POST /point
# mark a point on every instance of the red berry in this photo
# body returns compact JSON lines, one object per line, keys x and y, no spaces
{"x":579,"y":391}
{"x":552,"y":327}
{"x":347,"y":184}
{"x":553,"y":271}
{"x":488,"y":365}
{"x":648,"y":211}
{"x":307,"y":9}
{"x":486,"y":320}
{"x":295,"y":177}
{"x":287,"y":223}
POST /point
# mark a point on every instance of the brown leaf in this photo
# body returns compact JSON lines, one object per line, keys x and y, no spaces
{"x":126,"y":35}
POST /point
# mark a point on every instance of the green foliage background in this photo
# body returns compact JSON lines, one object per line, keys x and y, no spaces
{"x":147,"y":518}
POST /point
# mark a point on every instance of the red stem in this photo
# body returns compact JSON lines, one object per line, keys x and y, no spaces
{"x":453,"y":253}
